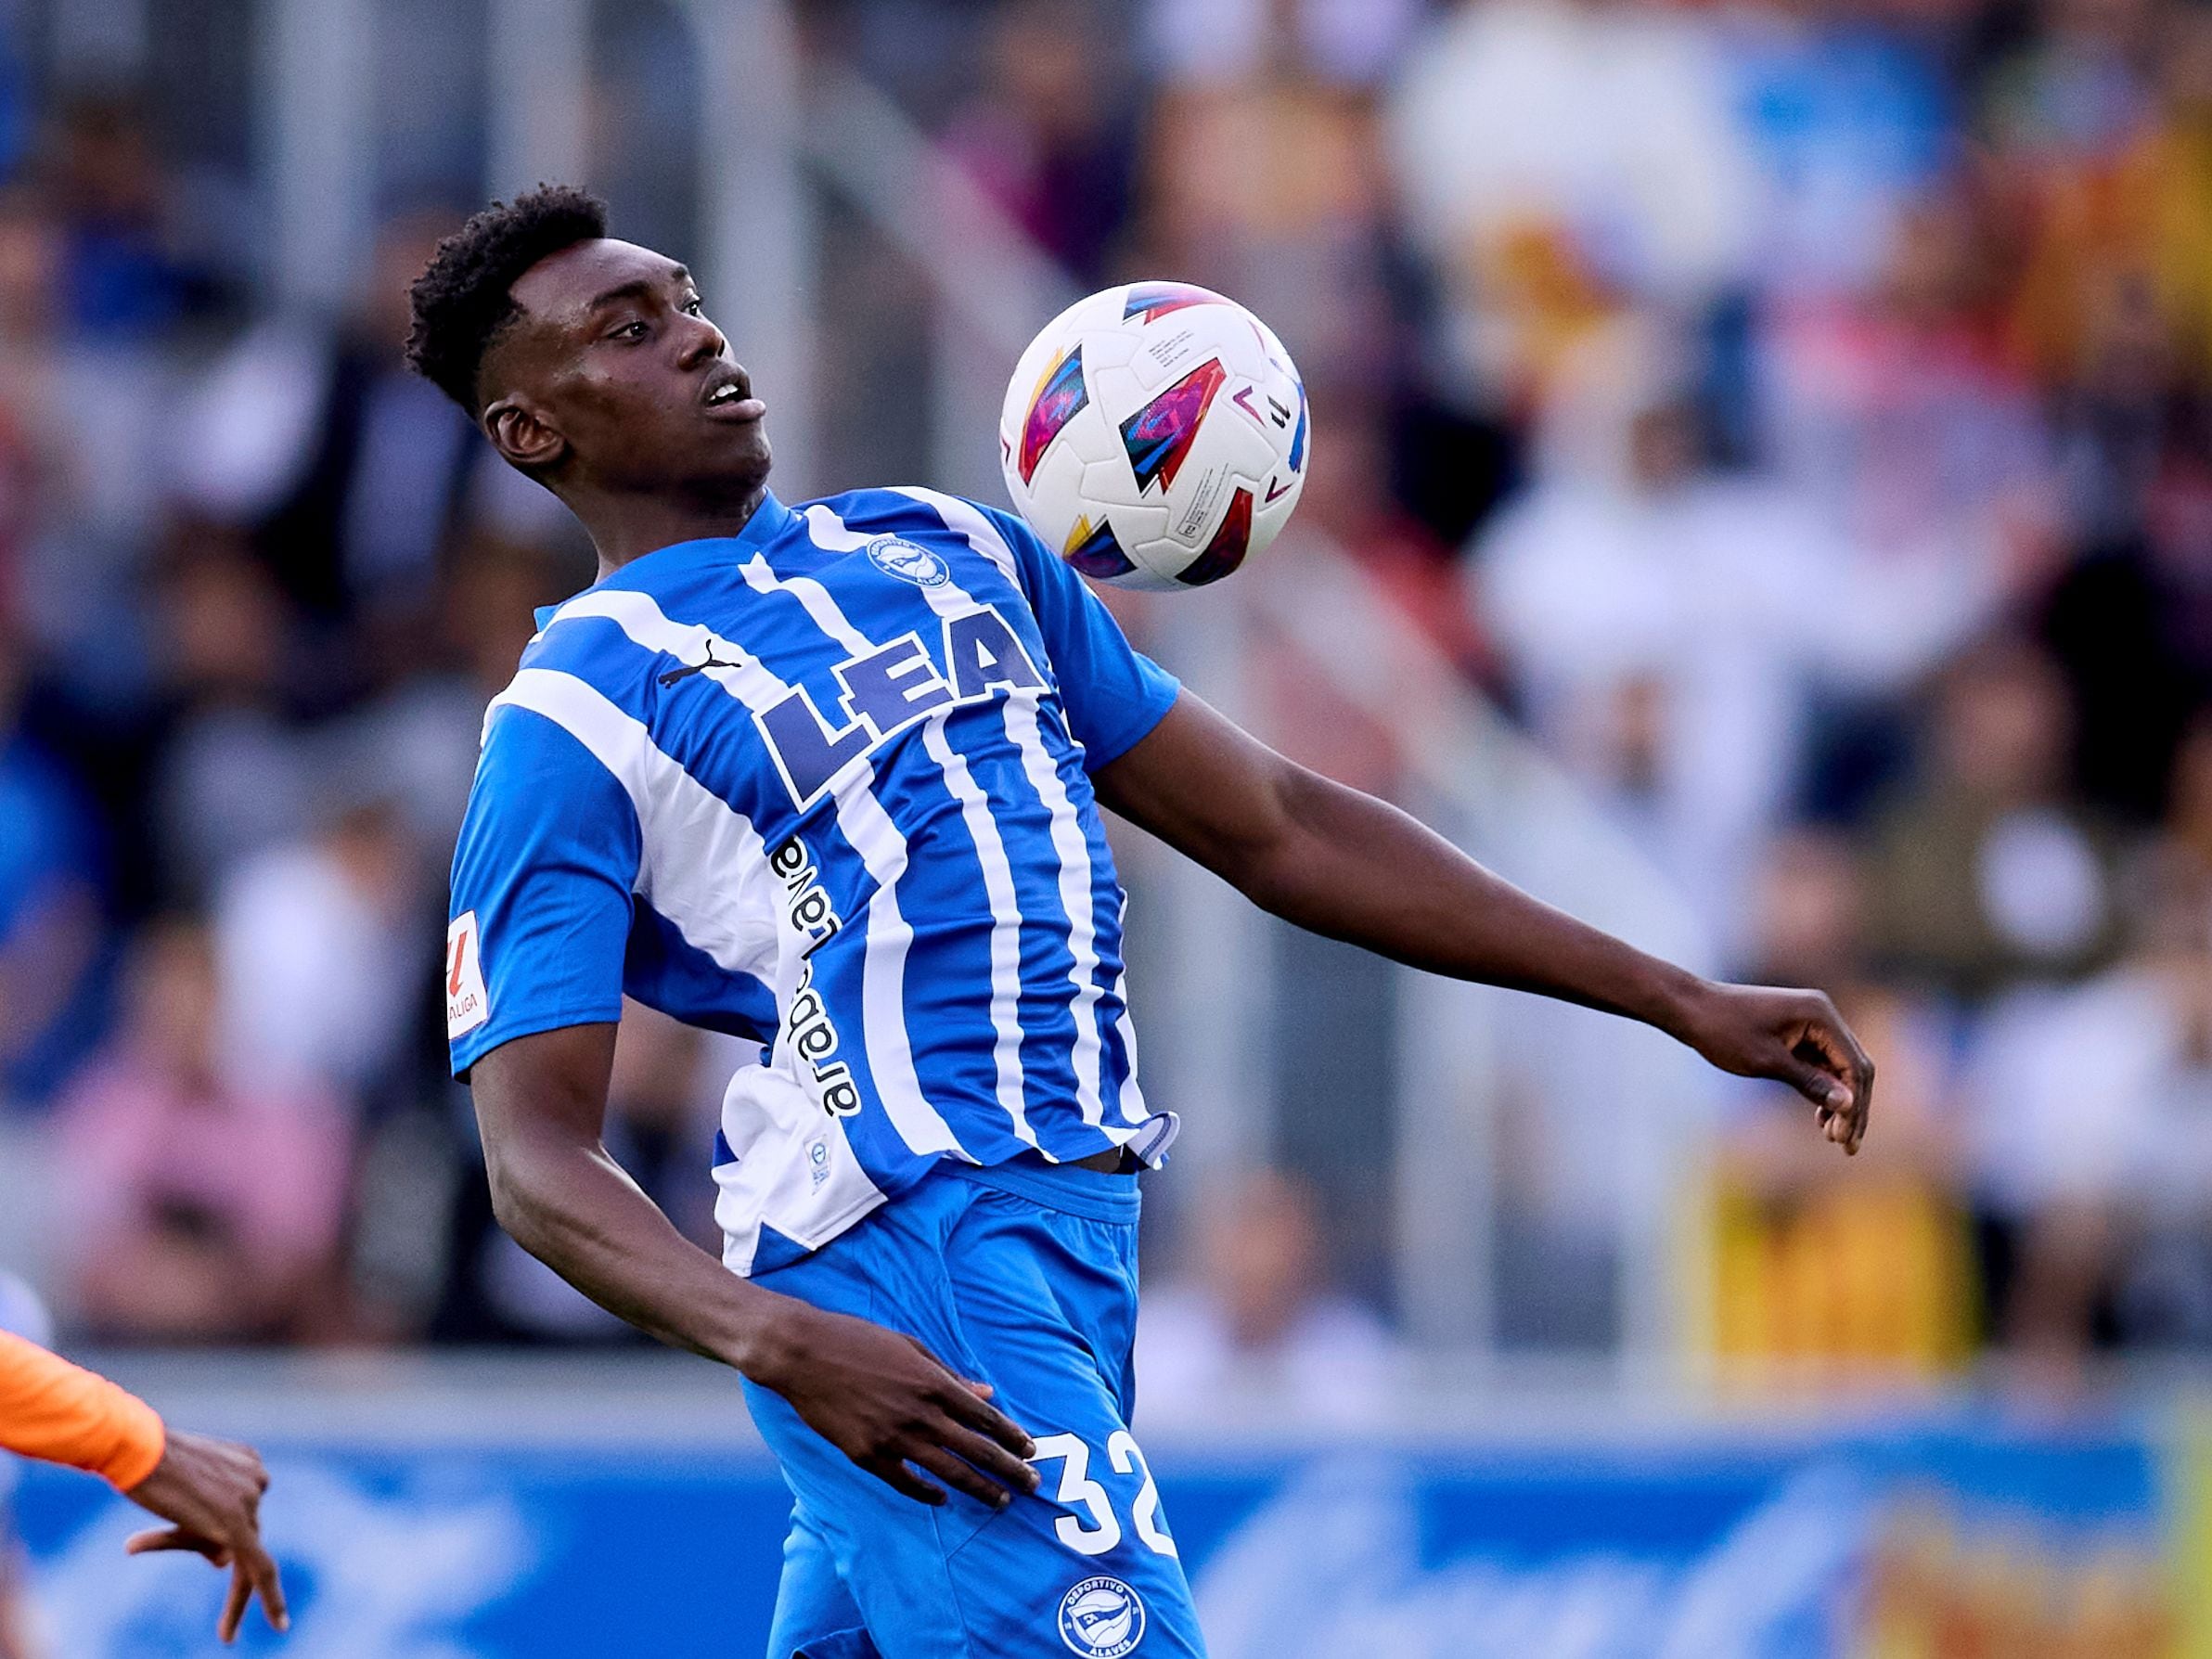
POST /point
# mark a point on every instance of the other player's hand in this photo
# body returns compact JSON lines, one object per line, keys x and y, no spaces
{"x":1791,"y":1036}
{"x":210,"y":1491}
{"x":885,"y":1401}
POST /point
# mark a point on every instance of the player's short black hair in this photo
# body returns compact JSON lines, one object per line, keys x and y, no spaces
{"x":461,"y":302}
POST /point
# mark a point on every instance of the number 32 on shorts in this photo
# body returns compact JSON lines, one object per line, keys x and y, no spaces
{"x":1077,"y":1490}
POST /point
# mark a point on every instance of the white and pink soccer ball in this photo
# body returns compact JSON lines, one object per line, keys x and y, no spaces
{"x":1155,"y":435}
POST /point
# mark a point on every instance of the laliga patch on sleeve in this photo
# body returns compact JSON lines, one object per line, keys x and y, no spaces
{"x":466,"y":1005}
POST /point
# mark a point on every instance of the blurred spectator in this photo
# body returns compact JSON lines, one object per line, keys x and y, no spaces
{"x":2081,"y":89}
{"x":2095,"y":1111}
{"x":1271,"y":185}
{"x":1342,"y":42}
{"x":1261,"y":1325}
{"x":1824,"y":1272}
{"x":50,"y":913}
{"x":15,"y":100}
{"x":323,"y":945}
{"x":1848,"y":121}
{"x":420,"y":735}
{"x":1987,"y":872}
{"x":1651,"y":616}
{"x":2096,"y":1157}
{"x":1052,"y":140}
{"x":1556,"y":156}
{"x":350,"y":470}
{"x":233,"y":773}
{"x":204,"y":1206}
{"x":1902,"y":417}
{"x":101,"y":171}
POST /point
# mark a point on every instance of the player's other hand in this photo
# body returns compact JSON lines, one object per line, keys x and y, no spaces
{"x":1792,"y":1037}
{"x":210,"y":1491}
{"x":885,"y":1401}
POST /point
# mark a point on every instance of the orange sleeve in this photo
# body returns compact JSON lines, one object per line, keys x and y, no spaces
{"x":63,"y":1413}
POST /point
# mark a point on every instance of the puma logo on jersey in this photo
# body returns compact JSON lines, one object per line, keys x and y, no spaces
{"x":888,"y":690}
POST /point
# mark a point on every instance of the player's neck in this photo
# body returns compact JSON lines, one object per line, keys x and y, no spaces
{"x":628,"y":529}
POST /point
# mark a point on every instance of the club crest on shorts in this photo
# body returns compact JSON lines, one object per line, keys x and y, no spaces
{"x":894,"y":556}
{"x":1101,"y":1619}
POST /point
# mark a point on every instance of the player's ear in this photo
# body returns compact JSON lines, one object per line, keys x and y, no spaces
{"x":524,"y":437}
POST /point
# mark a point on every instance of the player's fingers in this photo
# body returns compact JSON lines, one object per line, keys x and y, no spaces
{"x":991,"y":1458}
{"x":1828,"y":1092}
{"x":175,"y":1537}
{"x":962,"y":1478}
{"x":270,"y":1583}
{"x":968,"y":1407}
{"x":1831,"y":1044}
{"x":901,"y":1479}
{"x":234,"y":1604}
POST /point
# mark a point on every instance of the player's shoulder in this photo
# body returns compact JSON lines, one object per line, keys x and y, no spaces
{"x":581,"y":672}
{"x":934,"y":516}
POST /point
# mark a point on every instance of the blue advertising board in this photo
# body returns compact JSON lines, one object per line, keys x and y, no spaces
{"x":1702,"y":1545}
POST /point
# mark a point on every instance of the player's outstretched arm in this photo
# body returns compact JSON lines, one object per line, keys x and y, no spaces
{"x":880,"y":1397}
{"x":1344,"y":864}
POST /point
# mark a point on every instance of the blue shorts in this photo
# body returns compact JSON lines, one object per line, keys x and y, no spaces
{"x":1023,"y":1277}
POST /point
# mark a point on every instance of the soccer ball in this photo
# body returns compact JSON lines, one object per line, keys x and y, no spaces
{"x":1155,"y":435}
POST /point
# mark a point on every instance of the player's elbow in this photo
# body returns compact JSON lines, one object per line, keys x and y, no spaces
{"x":522,"y":1201}
{"x":1274,"y":865}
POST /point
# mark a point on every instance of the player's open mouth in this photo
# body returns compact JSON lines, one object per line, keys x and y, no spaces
{"x":730,"y":401}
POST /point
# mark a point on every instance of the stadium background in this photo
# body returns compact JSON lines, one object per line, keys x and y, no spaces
{"x":1762,"y":499}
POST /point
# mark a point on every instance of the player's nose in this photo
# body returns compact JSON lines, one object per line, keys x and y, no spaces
{"x":703,"y":343}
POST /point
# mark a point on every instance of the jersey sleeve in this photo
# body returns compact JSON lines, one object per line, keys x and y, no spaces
{"x":1114,"y":693}
{"x":541,"y":882}
{"x":62,"y":1413}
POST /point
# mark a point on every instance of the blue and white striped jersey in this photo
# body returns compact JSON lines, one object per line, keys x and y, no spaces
{"x":824,"y":785}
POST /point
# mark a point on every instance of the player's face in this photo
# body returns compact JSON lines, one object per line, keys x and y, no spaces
{"x":616,"y":358}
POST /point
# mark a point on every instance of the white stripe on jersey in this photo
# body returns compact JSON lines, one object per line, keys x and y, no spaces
{"x":692,"y":839}
{"x":638,"y":616}
{"x":962,"y":516}
{"x":1006,"y":922}
{"x":1089,"y":1058}
{"x":1076,"y":897}
{"x":821,"y":609}
{"x":1132,"y":1098}
{"x":883,"y":972}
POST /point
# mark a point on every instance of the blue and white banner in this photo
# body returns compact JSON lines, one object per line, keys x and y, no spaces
{"x":1689,"y":1548}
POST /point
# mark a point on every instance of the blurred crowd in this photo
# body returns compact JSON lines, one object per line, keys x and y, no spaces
{"x":1797,"y":413}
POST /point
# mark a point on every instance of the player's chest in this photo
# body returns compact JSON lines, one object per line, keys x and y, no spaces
{"x":820,"y":664}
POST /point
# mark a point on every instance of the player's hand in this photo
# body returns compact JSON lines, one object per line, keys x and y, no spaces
{"x":883,"y":1400}
{"x":211,"y":1490}
{"x":1792,"y":1037}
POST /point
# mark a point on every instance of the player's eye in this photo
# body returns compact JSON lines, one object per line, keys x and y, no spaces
{"x":694,"y":306}
{"x":634,"y":330}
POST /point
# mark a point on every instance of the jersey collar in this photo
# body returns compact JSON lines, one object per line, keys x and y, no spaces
{"x":770,"y":520}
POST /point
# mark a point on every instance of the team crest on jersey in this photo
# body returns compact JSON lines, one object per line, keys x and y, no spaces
{"x":894,"y":556}
{"x":1101,"y":1619}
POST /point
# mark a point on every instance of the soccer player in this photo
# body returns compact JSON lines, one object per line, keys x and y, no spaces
{"x":828,"y":777}
{"x":209,"y":1491}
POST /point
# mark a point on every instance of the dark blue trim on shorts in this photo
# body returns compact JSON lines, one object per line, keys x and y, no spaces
{"x":1067,"y":1187}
